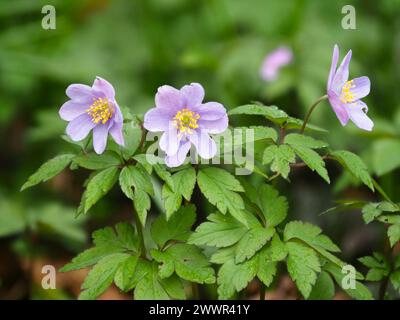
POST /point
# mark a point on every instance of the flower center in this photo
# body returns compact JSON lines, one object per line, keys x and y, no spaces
{"x":186,"y":120}
{"x":347,"y":96}
{"x":101,"y":110}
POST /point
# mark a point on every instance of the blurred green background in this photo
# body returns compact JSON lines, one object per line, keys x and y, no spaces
{"x":140,"y":45}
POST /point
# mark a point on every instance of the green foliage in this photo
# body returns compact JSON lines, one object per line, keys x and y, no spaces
{"x":93,"y":161}
{"x":379,"y":266}
{"x":272,"y":113}
{"x":187,"y":261}
{"x":355,"y":165}
{"x":220,"y":188}
{"x":324,"y":288}
{"x":273,"y":206}
{"x":176,"y":228}
{"x":113,"y":250}
{"x":280,"y":157}
{"x":48,"y":170}
{"x":97,"y":187}
{"x":303,"y":265}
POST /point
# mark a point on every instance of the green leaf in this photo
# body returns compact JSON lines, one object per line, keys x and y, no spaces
{"x":220,"y":188}
{"x":101,"y":276}
{"x":176,"y":228}
{"x":375,"y":275}
{"x":187,"y":261}
{"x":355,"y":165}
{"x":371,"y":262}
{"x":360,"y":292}
{"x":280,"y":158}
{"x":150,"y":286}
{"x":184,"y":182}
{"x":272,"y":113}
{"x":93,"y":161}
{"x":252,"y":241}
{"x":373,"y":210}
{"x":107,"y":242}
{"x":48,"y":170}
{"x":310,"y":234}
{"x":277,"y":249}
{"x":266,"y":267}
{"x":235,"y":277}
{"x":393,"y":233}
{"x":313,"y":160}
{"x":221,"y":231}
{"x":124,"y":274}
{"x":324,"y":288}
{"x":294,"y":123}
{"x":172,"y":200}
{"x":97,"y":187}
{"x":274,"y":206}
{"x":132,"y":137}
{"x":300,"y":140}
{"x":303,"y":265}
{"x":142,"y":204}
{"x":395,"y":280}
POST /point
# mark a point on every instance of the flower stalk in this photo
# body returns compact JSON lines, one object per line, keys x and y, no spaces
{"x":310,"y":111}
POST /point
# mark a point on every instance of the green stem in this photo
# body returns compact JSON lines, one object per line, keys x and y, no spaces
{"x":139,"y":230}
{"x":308,"y":115}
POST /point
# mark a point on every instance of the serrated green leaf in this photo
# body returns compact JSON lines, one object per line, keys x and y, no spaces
{"x":97,"y":187}
{"x":172,"y":200}
{"x":176,"y":228}
{"x":303,"y":265}
{"x":395,"y":280}
{"x":48,"y":170}
{"x":324,"y":288}
{"x":184,"y":182}
{"x":101,"y":276}
{"x":142,"y":204}
{"x":272,"y":113}
{"x":220,"y":188}
{"x":93,"y":161}
{"x":235,"y":277}
{"x":294,"y":123}
{"x":280,"y":158}
{"x":393,"y":233}
{"x":221,"y":231}
{"x":300,"y":140}
{"x":274,"y":206}
{"x":149,"y":287}
{"x":187,"y":261}
{"x":375,"y":274}
{"x":355,"y":165}
{"x":252,"y":241}
{"x":310,"y":234}
{"x":360,"y":292}
{"x":277,"y":249}
{"x":107,"y":242}
{"x":266,"y":267}
{"x":124,"y":274}
{"x":132,"y":136}
{"x":313,"y":160}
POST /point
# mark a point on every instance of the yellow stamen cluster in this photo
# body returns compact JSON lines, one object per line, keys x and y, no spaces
{"x":101,"y":110}
{"x":347,"y":96}
{"x":186,"y":120}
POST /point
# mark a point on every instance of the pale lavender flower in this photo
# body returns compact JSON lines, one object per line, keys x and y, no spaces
{"x":185,"y":120}
{"x":275,"y":60}
{"x":93,"y":108}
{"x":344,"y":95}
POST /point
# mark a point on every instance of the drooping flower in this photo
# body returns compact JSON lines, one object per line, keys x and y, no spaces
{"x":345,"y":95}
{"x":93,"y":108}
{"x":275,"y":60}
{"x":185,"y":120}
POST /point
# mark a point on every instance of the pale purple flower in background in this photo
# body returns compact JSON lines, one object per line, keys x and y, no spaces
{"x":185,"y":120}
{"x":93,"y":108}
{"x":344,"y":95}
{"x":275,"y":60}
